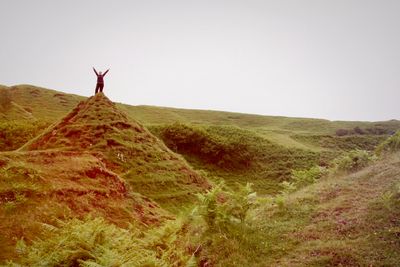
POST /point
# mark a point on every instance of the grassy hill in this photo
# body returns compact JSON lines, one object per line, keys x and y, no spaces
{"x":93,"y":161}
{"x":274,"y":145}
{"x":38,"y":103}
{"x":41,"y":187}
{"x":126,"y":147}
{"x":46,"y":104}
{"x":93,"y":183}
{"x":343,"y":219}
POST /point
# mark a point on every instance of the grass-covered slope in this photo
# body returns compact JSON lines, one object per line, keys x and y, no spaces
{"x":46,"y":104}
{"x":343,"y":219}
{"x":126,"y":147}
{"x":98,"y":158}
{"x":27,"y":102}
{"x":37,"y":188}
{"x":267,"y":124}
{"x":231,"y":146}
{"x":390,"y":145}
{"x":93,"y":161}
{"x":235,"y":154}
{"x":347,"y":220}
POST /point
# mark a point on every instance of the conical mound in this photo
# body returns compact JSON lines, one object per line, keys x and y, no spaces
{"x":88,"y":126}
{"x":126,"y":147}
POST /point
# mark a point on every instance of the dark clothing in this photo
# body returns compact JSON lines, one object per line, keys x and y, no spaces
{"x":100,"y":81}
{"x":100,"y":78}
{"x":99,"y":87}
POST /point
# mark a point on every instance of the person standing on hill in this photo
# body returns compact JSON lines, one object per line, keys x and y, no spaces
{"x":100,"y":80}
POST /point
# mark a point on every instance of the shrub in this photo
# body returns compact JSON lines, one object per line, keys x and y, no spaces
{"x":14,"y":134}
{"x":342,"y":132}
{"x":301,"y":178}
{"x":219,"y":208}
{"x":353,"y":161}
{"x":377,"y":130}
{"x":358,"y":130}
{"x":226,"y":236}
{"x":392,"y":144}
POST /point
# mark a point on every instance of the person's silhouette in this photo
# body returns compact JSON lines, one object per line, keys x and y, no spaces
{"x":100,"y":80}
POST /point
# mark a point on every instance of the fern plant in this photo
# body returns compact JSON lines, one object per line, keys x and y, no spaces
{"x":353,"y":161}
{"x":94,"y":242}
{"x":301,"y":178}
{"x":220,"y":207}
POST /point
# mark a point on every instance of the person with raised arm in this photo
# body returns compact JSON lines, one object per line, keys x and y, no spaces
{"x":100,"y":80}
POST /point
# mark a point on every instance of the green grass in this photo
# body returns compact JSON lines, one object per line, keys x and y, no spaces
{"x":126,"y":147}
{"x":50,"y":105}
{"x":98,"y":159}
{"x":235,"y":147}
{"x":14,"y":134}
{"x":340,"y":220}
{"x":236,"y":154}
{"x":40,"y":187}
{"x":36,"y":102}
{"x":342,"y":143}
{"x":390,"y":145}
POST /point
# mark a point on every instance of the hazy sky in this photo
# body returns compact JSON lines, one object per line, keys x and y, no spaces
{"x":334,"y":59}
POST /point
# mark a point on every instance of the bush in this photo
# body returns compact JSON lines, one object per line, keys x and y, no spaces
{"x":390,"y":145}
{"x":301,"y":178}
{"x":353,"y":161}
{"x":227,"y":236}
{"x":376,"y":130}
{"x":358,"y":130}
{"x":15,"y":134}
{"x":342,"y":132}
{"x":219,"y":208}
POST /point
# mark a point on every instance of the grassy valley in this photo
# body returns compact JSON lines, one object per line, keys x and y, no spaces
{"x":272,"y":145}
{"x":108,"y":184}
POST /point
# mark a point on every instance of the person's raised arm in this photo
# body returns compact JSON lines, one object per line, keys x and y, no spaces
{"x":105,"y":72}
{"x":95,"y":71}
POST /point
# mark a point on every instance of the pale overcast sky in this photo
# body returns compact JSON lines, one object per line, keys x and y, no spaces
{"x":333,"y":59}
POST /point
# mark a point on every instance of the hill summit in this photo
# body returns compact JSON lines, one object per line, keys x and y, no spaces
{"x":125,"y":146}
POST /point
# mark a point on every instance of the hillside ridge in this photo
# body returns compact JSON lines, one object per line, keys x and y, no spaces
{"x":21,"y":93}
